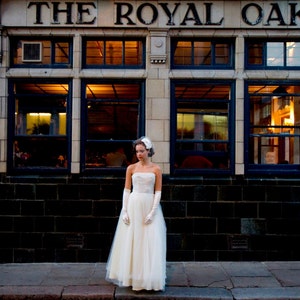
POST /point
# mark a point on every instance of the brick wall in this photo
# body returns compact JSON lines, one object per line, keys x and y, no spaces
{"x":73,"y":220}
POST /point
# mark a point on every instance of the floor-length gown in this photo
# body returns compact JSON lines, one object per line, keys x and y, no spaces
{"x":138,"y":254}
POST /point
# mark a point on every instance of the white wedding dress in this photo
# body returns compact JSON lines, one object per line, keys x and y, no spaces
{"x":138,"y":254}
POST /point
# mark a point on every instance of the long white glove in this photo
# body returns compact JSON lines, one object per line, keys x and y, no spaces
{"x":125,"y":217}
{"x":155,"y":205}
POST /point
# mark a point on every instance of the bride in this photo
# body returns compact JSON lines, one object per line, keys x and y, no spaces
{"x":138,"y":254}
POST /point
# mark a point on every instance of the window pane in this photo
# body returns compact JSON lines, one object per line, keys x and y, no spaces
{"x":61,"y":53}
{"x":133,"y":53}
{"x":275,"y":52}
{"x":222,"y":54}
{"x":94,"y":52}
{"x":201,"y":126}
{"x":202,"y":53}
{"x":183,"y":53}
{"x":255,"y":54}
{"x":293,"y":54}
{"x":114,"y":52}
{"x":274,"y":119}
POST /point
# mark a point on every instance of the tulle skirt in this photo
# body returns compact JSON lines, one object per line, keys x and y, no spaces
{"x":138,"y":254}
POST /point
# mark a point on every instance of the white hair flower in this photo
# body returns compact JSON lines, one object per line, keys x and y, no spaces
{"x":147,"y":143}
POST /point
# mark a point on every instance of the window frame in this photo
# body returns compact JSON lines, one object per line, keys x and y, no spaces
{"x":84,"y":136}
{"x":263,"y":169}
{"x":231,"y":131}
{"x":11,"y":134}
{"x":263,"y":65}
{"x":14,"y":40}
{"x":212,"y":65}
{"x":111,"y":66}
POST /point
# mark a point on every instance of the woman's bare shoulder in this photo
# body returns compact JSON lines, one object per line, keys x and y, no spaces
{"x":156,"y":168}
{"x":131,"y":167}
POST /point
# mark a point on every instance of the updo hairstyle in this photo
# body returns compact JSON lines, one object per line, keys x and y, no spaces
{"x":145,"y":141}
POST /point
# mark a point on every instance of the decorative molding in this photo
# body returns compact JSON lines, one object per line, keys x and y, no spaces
{"x":158,"y":41}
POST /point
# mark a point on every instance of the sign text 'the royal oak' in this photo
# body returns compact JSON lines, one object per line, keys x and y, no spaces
{"x":176,"y":13}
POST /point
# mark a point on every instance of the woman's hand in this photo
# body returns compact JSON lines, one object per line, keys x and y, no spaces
{"x":125,"y":218}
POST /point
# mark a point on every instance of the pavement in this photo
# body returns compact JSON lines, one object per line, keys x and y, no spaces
{"x":185,"y":280}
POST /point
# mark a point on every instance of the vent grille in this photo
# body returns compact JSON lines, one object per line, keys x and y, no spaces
{"x":238,"y":243}
{"x":32,"y":52}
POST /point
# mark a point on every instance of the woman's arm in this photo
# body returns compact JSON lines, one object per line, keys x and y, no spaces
{"x":158,"y":179}
{"x":128,"y":177}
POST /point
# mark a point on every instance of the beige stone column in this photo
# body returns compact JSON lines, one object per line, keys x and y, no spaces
{"x":76,"y":102}
{"x":3,"y":99}
{"x":239,"y":107}
{"x":158,"y":97}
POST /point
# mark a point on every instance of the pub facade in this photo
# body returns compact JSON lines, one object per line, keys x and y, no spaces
{"x":215,"y":85}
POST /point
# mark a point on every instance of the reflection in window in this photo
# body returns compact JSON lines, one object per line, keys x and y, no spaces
{"x":41,"y":52}
{"x":113,"y":53}
{"x":206,"y":53}
{"x":113,"y":111}
{"x":202,"y":126}
{"x":272,"y":54}
{"x":40,"y":123}
{"x":274,"y":124}
{"x":275,"y":54}
{"x":293,"y":54}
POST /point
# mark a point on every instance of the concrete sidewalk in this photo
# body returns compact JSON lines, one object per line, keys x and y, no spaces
{"x":185,"y":280}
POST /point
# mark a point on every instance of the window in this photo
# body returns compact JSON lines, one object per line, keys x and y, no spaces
{"x":201,"y":112}
{"x":41,"y":53}
{"x":273,"y":131}
{"x":114,"y":117}
{"x":112,"y":53}
{"x":38,"y":135}
{"x":272,"y":54}
{"x":202,"y":53}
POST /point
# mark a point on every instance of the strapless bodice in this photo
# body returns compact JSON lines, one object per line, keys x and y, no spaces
{"x":143,"y":182}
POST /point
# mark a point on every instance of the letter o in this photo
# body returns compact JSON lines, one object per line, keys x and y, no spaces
{"x":260,"y":14}
{"x":154,"y":13}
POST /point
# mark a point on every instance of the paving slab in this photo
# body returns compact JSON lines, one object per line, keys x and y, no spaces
{"x":254,"y":282}
{"x":266,"y":293}
{"x":208,"y":274}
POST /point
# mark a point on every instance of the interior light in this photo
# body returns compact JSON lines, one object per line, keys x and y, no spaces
{"x":39,"y":114}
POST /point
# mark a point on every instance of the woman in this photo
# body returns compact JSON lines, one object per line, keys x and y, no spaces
{"x":138,"y":253}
